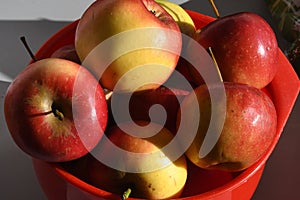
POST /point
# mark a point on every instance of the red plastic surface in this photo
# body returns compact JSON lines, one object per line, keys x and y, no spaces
{"x":59,"y":184}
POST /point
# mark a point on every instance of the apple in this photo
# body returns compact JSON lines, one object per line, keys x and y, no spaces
{"x":142,"y":165}
{"x":67,"y":52}
{"x":139,"y":105}
{"x":135,"y":43}
{"x":245,"y":48}
{"x":183,"y":67}
{"x":248,"y":130}
{"x":202,"y":180}
{"x":188,"y":30}
{"x":55,"y":110}
{"x":182,"y":18}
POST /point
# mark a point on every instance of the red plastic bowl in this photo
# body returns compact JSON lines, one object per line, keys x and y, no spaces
{"x":59,"y":184}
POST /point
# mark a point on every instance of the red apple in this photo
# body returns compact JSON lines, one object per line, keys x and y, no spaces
{"x":139,"y":105}
{"x":134,"y":43}
{"x":123,"y":161}
{"x":245,"y":48}
{"x":183,"y":67}
{"x":55,"y":110}
{"x":247,"y":132}
{"x":67,"y":52}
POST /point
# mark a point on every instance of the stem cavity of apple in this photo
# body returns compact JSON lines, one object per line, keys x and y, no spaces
{"x":156,"y":14}
{"x":215,"y":8}
{"x":23,"y":39}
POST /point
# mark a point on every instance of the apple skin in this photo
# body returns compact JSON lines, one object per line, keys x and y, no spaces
{"x":141,"y":102}
{"x":163,"y":183}
{"x":67,"y":52}
{"x":249,"y":127}
{"x":245,"y":48}
{"x":143,"y":24}
{"x":182,"y":18}
{"x":47,"y":86}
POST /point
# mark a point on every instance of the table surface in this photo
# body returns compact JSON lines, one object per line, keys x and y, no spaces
{"x":280,"y":180}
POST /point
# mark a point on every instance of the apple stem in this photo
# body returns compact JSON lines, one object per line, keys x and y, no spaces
{"x":126,"y":194}
{"x":57,"y":113}
{"x":216,"y":63}
{"x":215,"y":8}
{"x":23,"y":39}
{"x":108,"y":94}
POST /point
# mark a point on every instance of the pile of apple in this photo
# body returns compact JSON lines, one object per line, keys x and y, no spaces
{"x":63,"y":109}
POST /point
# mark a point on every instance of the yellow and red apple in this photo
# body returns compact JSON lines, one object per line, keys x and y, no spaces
{"x":142,"y":163}
{"x":134,"y":43}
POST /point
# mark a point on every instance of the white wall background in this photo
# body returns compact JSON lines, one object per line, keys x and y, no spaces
{"x":46,"y":9}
